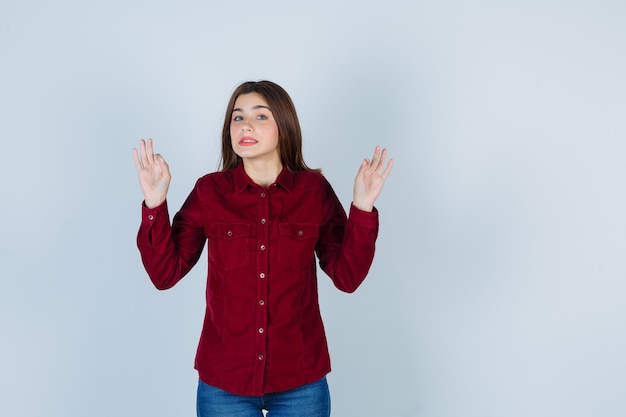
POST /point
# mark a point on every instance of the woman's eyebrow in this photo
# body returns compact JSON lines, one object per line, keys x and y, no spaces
{"x":260,"y":106}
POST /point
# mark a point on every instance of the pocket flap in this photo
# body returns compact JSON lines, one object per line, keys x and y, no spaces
{"x":230,"y":231}
{"x":298,"y":230}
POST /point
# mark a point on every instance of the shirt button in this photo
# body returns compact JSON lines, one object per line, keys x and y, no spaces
{"x":263,"y":221}
{"x":261,"y":275}
{"x":263,"y":195}
{"x":230,"y":233}
{"x":300,"y":233}
{"x":150,"y":217}
{"x":262,"y":302}
{"x":262,"y":247}
{"x":260,"y":357}
{"x":261,"y":330}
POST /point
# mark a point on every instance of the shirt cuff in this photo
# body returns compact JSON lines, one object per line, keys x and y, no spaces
{"x":367,"y":218}
{"x":150,"y":215}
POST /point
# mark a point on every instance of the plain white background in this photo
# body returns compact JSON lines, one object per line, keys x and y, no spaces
{"x":499,"y":283}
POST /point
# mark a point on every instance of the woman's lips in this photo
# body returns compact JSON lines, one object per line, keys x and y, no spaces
{"x":247,"y":141}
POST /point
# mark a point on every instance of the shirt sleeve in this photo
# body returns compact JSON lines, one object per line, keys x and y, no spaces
{"x":346,"y":246}
{"x":169,"y":251}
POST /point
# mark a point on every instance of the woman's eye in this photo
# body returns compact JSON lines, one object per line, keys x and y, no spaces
{"x":262,"y":117}
{"x":237,"y":118}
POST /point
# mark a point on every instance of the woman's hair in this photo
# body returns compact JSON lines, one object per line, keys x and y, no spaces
{"x":284,"y":112}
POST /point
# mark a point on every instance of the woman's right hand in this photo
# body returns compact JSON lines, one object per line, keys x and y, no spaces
{"x":154,"y":174}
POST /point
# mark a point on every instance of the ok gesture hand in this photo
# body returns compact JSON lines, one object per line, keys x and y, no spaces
{"x":154,"y":174}
{"x":370,"y":179}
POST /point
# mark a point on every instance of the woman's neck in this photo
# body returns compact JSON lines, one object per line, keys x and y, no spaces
{"x":262,"y":173}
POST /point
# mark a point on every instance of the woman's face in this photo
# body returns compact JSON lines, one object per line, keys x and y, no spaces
{"x":253,"y":129}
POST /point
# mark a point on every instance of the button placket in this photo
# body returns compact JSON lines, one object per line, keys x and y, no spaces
{"x":262,"y":285}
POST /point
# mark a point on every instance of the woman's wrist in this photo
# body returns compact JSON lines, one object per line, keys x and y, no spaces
{"x":153,"y":203}
{"x":363,"y":206}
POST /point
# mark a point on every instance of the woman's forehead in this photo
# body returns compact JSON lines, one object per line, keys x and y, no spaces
{"x":249,"y":101}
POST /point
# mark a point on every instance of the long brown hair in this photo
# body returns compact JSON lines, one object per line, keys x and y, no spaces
{"x":284,"y":112}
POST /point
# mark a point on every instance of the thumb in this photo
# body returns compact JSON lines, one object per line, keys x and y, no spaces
{"x":362,"y":168}
{"x":158,"y":158}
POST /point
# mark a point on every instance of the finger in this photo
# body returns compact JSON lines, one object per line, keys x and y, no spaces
{"x":359,"y":173}
{"x":159,"y":160}
{"x":375,"y":166}
{"x":387,"y":170}
{"x":164,"y":166}
{"x":364,"y":167}
{"x":144,"y":157}
{"x":150,"y":149}
{"x":376,"y":156}
{"x":376,"y":160}
{"x":136,"y":158}
{"x":380,"y":163}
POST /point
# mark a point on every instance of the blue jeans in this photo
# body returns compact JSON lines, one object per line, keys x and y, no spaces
{"x":311,"y":400}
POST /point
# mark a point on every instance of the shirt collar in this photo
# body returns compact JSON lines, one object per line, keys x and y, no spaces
{"x":242,"y":181}
{"x":285,"y":179}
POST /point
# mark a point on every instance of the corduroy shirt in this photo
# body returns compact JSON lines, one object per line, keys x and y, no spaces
{"x":262,"y":330}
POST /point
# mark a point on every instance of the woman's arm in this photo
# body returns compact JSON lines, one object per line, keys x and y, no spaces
{"x":168,"y":252}
{"x":346,"y":246}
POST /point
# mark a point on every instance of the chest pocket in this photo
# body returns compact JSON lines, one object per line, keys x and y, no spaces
{"x":297,"y":244}
{"x":230,"y":244}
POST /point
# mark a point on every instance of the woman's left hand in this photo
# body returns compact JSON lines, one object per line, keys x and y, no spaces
{"x":370,"y":179}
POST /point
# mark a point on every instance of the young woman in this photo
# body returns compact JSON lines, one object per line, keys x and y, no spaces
{"x":265,"y":215}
